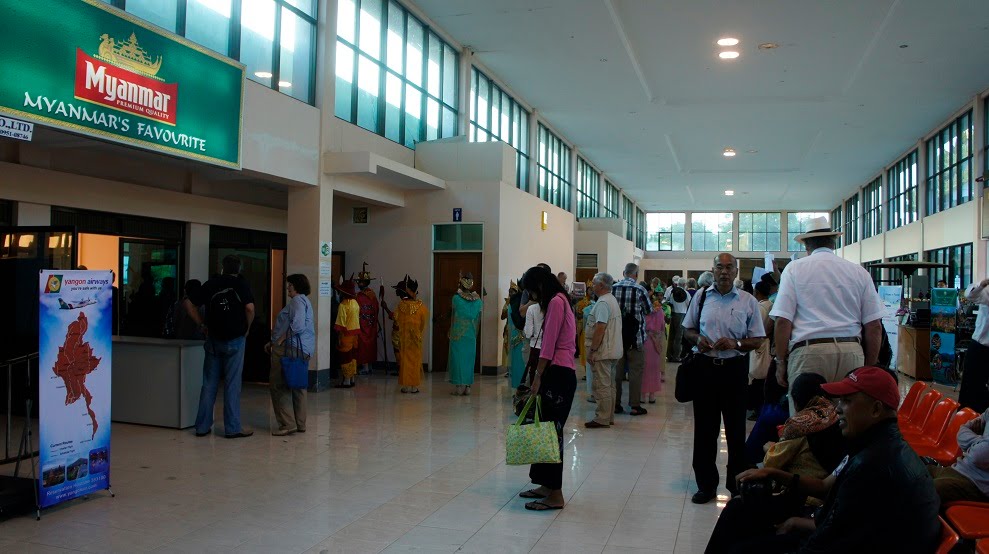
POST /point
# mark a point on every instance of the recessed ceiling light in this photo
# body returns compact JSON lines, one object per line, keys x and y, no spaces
{"x":728,"y":55}
{"x":727,"y":41}
{"x":729,"y":193}
{"x":728,"y":153}
{"x":904,"y":46}
{"x":284,"y":84}
{"x":769,"y":45}
{"x":753,"y":151}
{"x":262,"y":74}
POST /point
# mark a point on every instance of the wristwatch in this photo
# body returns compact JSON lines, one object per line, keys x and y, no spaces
{"x":738,"y":343}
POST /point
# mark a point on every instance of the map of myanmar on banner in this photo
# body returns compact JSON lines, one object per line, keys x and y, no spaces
{"x":75,"y":326}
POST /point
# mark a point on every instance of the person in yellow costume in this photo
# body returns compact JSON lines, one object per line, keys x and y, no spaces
{"x":410,"y":317}
{"x":348,"y":327}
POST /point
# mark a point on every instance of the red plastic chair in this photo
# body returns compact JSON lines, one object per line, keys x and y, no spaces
{"x":971,"y":522}
{"x":924,"y":408}
{"x":982,"y":546}
{"x":946,"y":451}
{"x":934,"y":428}
{"x":949,"y":538}
{"x":910,"y":401}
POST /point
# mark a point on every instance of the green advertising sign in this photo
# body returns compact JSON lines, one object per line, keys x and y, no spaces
{"x":84,"y":66}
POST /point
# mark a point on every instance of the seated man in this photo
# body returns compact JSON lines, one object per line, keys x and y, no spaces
{"x":879,"y":499}
{"x":968,"y":479}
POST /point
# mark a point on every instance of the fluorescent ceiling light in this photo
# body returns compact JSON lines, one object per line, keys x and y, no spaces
{"x":728,"y":153}
{"x":729,"y":193}
{"x":727,"y":41}
{"x":728,"y":55}
{"x":263,"y":74}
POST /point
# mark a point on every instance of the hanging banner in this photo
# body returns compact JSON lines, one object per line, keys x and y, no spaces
{"x":84,"y":66}
{"x":891,"y":298}
{"x":76,"y":316}
{"x":944,"y":309}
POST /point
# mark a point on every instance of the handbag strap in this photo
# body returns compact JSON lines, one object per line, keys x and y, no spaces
{"x":298,"y":336}
{"x":533,"y":399}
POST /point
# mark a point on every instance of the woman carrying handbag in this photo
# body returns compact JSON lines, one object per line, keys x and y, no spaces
{"x":554,"y":381}
{"x":293,"y":337}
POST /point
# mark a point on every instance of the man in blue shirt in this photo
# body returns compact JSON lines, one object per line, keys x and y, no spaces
{"x":725,"y":325}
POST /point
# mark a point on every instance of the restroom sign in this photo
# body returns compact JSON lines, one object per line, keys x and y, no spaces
{"x":458,"y":215}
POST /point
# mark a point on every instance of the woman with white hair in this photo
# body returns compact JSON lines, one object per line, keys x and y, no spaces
{"x":705,"y":280}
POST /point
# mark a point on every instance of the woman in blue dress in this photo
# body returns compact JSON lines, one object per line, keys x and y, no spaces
{"x":463,"y":336}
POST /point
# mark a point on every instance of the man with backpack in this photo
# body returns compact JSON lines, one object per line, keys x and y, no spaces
{"x":635,"y":305}
{"x":229,"y":314}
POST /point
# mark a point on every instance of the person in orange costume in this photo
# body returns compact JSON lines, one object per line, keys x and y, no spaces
{"x":410,"y":318}
{"x":348,"y":328}
{"x":367,"y":341}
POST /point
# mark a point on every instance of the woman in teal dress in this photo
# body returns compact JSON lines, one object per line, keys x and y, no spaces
{"x":516,"y":338}
{"x":463,"y":336}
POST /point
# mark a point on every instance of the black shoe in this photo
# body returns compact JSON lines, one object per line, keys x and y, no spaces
{"x":702,"y":497}
{"x":198,"y":434}
{"x":638,"y":410}
{"x":240,"y":435}
{"x":619,"y":409}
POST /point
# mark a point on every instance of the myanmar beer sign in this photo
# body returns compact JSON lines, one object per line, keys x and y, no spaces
{"x":84,"y":66}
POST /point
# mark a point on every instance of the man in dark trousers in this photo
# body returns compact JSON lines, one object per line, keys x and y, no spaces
{"x":725,"y":325}
{"x":229,"y":313}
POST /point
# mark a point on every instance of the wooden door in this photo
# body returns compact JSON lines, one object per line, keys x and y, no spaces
{"x":584,"y":274}
{"x":446,"y":275}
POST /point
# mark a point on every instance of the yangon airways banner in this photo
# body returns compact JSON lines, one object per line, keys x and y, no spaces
{"x":76,"y":317}
{"x":87,"y":67}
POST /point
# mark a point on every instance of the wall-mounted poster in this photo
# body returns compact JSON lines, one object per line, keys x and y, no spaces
{"x":75,"y":320}
{"x":890,"y":296}
{"x":944,"y":308}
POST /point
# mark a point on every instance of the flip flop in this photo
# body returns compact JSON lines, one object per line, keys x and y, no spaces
{"x":531,"y":493}
{"x":540,"y":506}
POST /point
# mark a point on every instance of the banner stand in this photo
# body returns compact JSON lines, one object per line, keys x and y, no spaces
{"x":75,"y":315}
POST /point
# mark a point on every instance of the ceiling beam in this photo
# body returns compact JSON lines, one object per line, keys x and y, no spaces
{"x":616,"y":18}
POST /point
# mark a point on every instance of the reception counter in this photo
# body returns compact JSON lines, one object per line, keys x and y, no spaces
{"x":913,"y":353}
{"x":156,"y":381}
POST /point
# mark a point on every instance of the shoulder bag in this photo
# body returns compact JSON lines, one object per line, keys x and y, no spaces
{"x":295,"y":364}
{"x":533,"y":443}
{"x":686,"y":383}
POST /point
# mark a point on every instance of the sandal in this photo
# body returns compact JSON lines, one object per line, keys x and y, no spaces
{"x":531,"y":493}
{"x":540,"y":506}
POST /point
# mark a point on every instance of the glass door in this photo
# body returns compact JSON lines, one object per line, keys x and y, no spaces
{"x":149,"y":285}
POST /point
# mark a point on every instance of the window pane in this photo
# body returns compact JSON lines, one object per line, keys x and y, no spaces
{"x":306,"y":6}
{"x":413,"y":52}
{"x":257,"y":35}
{"x":413,"y":115}
{"x":450,"y":123}
{"x":207,"y":22}
{"x":432,"y":119}
{"x":393,"y":107}
{"x":433,"y":67}
{"x":371,"y":28}
{"x":295,"y":63}
{"x":368,"y":83}
{"x":345,"y":86}
{"x":396,"y":38}
{"x":160,"y":12}
{"x":449,"y":75}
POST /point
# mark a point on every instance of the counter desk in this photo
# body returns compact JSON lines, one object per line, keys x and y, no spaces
{"x":156,"y":381}
{"x":913,"y":355}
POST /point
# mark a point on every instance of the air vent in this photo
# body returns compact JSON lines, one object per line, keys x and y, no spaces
{"x":587,"y":261}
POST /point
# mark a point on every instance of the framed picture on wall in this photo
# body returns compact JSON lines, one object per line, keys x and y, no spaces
{"x":362,"y":215}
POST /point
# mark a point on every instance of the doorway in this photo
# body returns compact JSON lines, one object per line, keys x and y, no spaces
{"x":447,"y":267}
{"x":149,"y":284}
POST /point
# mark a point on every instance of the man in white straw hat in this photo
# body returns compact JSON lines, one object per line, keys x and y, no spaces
{"x":828,"y":313}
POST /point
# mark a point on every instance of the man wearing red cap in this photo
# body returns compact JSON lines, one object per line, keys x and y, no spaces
{"x":879,"y":499}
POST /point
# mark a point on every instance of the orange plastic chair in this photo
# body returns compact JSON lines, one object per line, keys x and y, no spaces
{"x":910,"y":401}
{"x":946,"y":451}
{"x":982,"y":546}
{"x":971,"y":522}
{"x":924,"y":408}
{"x":949,"y":538}
{"x":934,"y":428}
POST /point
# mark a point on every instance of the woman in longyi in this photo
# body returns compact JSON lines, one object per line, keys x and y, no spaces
{"x":410,"y":317}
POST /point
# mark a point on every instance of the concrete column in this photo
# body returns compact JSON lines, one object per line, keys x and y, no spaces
{"x":197,"y":251}
{"x":33,"y":215}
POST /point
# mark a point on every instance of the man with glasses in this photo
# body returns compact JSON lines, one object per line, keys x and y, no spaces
{"x":725,"y":325}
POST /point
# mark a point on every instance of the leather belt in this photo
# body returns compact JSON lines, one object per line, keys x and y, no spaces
{"x":833,"y":340}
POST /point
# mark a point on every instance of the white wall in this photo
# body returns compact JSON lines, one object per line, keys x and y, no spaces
{"x":613,"y":251}
{"x":280,"y":136}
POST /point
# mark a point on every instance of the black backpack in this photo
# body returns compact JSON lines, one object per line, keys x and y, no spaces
{"x":630,"y":327}
{"x":225,"y":317}
{"x":679,"y":294}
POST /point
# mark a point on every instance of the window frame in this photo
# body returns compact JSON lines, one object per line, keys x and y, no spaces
{"x":560,"y":174}
{"x":765,"y":232}
{"x":726,"y":246}
{"x":945,"y":171}
{"x":234,"y":36}
{"x":518,"y":134}
{"x":837,"y":224}
{"x":667,"y":231}
{"x":791,"y":244}
{"x":852,"y":219}
{"x":872,"y":208}
{"x":946,"y":255}
{"x":384,"y":70}
{"x":612,"y":200}
{"x":901,"y":192}
{"x":588,"y":190}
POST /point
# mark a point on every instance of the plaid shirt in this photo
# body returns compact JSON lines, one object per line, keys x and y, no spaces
{"x":632,"y":298}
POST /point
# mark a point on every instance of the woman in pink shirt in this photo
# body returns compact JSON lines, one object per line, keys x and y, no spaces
{"x":555,"y":380}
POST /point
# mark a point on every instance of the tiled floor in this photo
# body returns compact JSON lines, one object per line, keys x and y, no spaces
{"x":380,"y":471}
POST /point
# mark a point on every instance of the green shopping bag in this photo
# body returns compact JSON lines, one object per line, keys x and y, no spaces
{"x":534,"y":443}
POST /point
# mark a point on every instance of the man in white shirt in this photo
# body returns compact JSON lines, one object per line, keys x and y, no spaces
{"x":974,"y":392}
{"x":679,"y":300}
{"x":604,"y":349}
{"x":828,"y":313}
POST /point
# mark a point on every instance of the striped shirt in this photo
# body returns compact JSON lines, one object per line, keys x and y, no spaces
{"x":633,"y":300}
